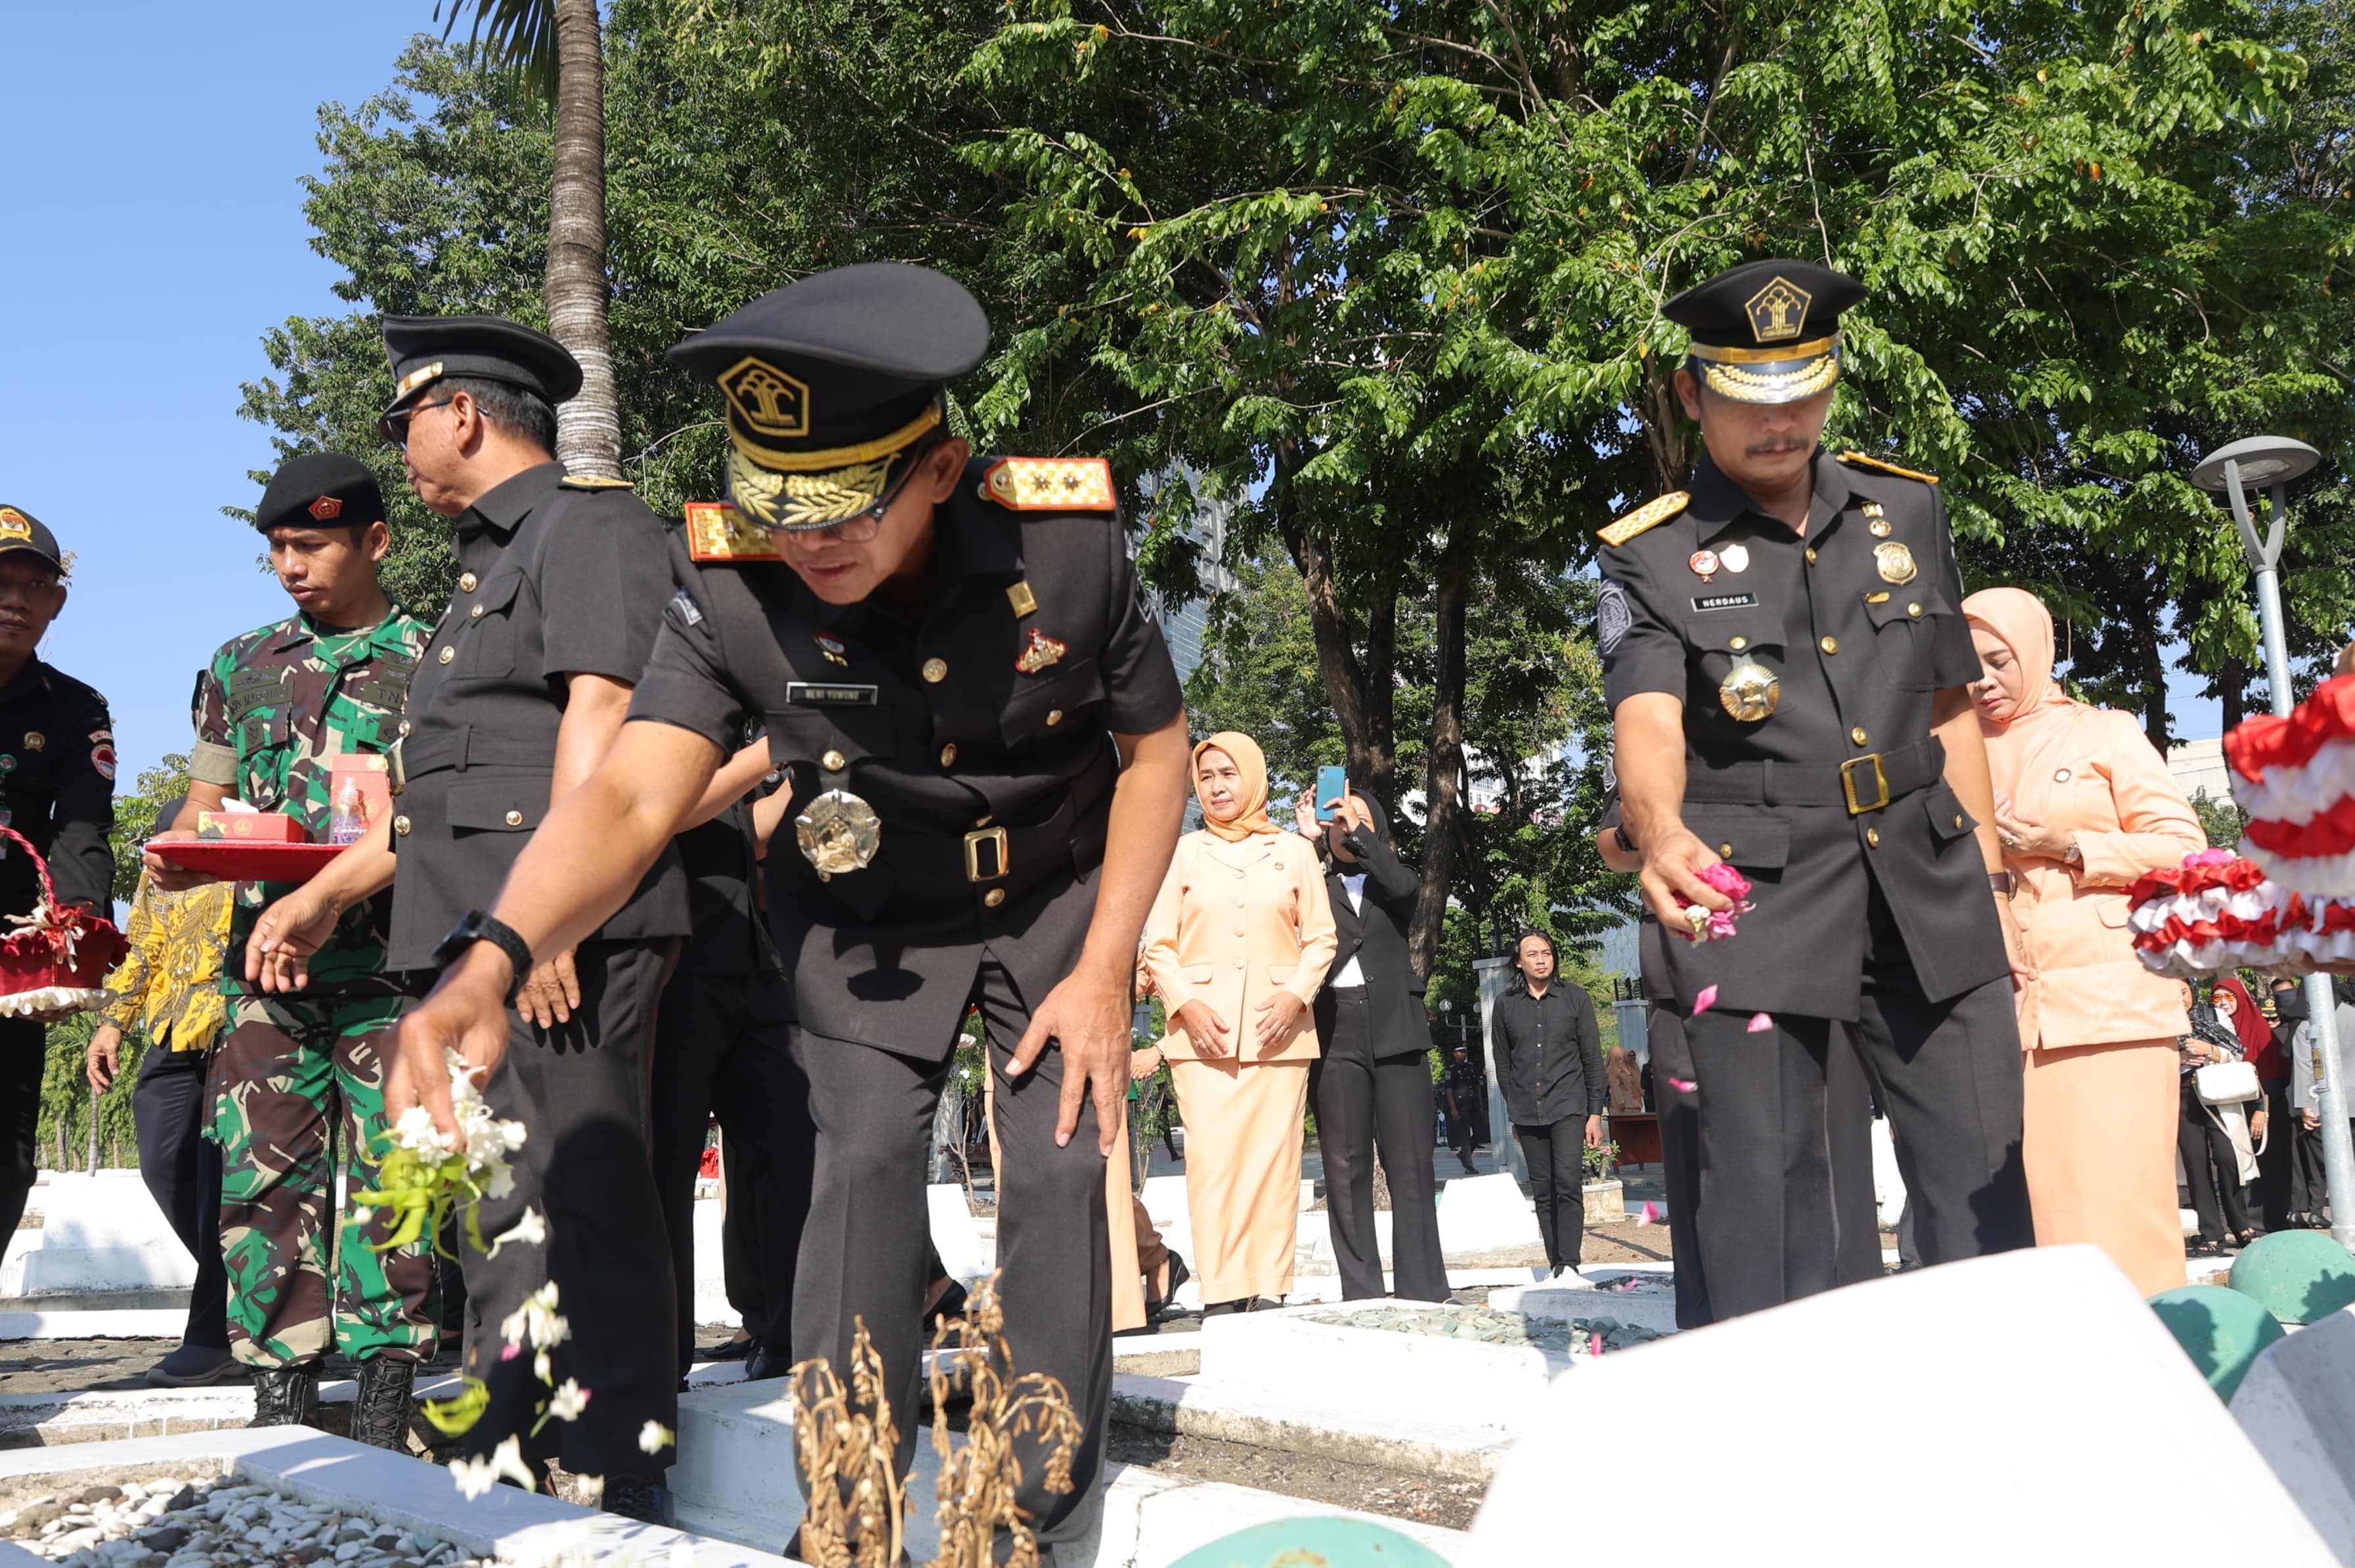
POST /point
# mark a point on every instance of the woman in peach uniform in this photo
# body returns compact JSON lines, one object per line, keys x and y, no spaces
{"x":2084,"y":805}
{"x":1238,"y":944}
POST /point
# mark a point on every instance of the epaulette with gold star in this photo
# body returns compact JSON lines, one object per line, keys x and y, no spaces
{"x":1651,"y":515}
{"x":592,"y":482}
{"x":1049,"y":484}
{"x":718,"y":532}
{"x":1865,"y":459}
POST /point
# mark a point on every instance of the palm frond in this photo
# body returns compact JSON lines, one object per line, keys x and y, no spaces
{"x":515,"y":35}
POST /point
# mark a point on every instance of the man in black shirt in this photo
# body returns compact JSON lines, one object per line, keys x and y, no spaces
{"x":1549,"y":1062}
{"x":987,"y":746}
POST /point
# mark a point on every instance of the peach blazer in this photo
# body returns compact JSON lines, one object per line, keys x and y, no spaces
{"x":2098,"y":777}
{"x":1233,"y":923}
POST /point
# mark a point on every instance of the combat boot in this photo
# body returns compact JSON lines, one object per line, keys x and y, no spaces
{"x":380,"y":1407}
{"x":286,"y":1396}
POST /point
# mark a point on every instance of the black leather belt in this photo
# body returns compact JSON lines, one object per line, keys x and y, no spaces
{"x":1012,"y":856}
{"x":1860,"y":784}
{"x":414,"y":756}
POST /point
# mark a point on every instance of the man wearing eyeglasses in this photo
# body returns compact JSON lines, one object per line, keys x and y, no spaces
{"x":524,"y":685}
{"x":987,"y":744}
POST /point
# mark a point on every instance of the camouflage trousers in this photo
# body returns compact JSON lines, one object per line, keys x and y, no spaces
{"x":293,"y":1073}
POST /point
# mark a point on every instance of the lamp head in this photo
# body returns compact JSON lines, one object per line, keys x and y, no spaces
{"x":2263,"y":460}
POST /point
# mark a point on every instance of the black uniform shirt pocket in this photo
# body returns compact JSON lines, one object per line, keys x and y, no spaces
{"x":1905,"y":617}
{"x":478,"y":634}
{"x":510,"y":805}
{"x":1051,"y":701}
{"x":1949,"y":821}
{"x":1748,"y":842}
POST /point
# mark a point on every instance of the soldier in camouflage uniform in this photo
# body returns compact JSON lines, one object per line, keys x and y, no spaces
{"x":273,"y":708}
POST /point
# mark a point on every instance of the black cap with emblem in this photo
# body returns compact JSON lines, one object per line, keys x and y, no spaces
{"x":1766,"y":332}
{"x":830,"y":380}
{"x":427,"y":349}
{"x":320,"y":490}
{"x":21,"y":531}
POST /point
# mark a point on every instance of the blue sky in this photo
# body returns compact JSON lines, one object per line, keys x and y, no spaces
{"x":153,"y":232}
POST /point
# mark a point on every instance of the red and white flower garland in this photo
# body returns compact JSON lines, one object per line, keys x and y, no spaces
{"x":2218,"y":912}
{"x":2296,"y":779}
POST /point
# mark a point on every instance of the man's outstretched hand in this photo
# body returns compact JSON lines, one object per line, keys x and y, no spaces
{"x":1087,"y":1016}
{"x":466,"y":1012}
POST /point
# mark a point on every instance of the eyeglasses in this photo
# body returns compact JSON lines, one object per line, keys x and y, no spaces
{"x":396,"y":424}
{"x":861,"y":526}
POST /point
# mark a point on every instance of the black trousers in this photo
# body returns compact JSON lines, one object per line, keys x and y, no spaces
{"x":867,"y":1245}
{"x":1945,"y":1073}
{"x":1847,"y":1132}
{"x":723,"y":1044}
{"x":2310,"y":1192}
{"x":2276,"y":1157}
{"x":1679,"y":1111}
{"x":23,"y":1046}
{"x":1365,"y":1107}
{"x":1557,"y":1160}
{"x":2212,"y":1168}
{"x":581,"y":1090}
{"x":741,"y":1259}
{"x":172,"y":1108}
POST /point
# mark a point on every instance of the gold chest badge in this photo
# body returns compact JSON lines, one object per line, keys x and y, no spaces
{"x":838,"y":832}
{"x":1896,"y":561}
{"x":1039,"y":651}
{"x":1750,"y":692}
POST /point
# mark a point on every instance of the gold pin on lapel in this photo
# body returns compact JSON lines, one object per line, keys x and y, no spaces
{"x":1020,"y":597}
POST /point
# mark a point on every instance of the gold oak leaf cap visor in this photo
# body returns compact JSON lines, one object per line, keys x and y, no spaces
{"x":828,"y":381}
{"x":320,"y":490}
{"x":429,"y":349}
{"x":1766,"y":332}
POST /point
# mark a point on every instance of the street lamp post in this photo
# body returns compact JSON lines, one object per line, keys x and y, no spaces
{"x":2268,"y":464}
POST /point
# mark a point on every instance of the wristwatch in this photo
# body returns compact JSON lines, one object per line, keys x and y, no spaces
{"x":1619,"y":833}
{"x":2003,"y":882}
{"x":473,"y":927}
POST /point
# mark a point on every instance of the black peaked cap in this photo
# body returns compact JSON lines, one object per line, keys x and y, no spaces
{"x":320,"y":490}
{"x":427,"y":349}
{"x":1761,"y":304}
{"x":21,"y":530}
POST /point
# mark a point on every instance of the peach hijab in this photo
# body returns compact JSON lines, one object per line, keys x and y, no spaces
{"x":1250,"y":762}
{"x":2017,"y":748}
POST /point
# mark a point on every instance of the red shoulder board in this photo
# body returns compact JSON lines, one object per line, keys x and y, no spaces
{"x":718,"y":532}
{"x":1049,"y":484}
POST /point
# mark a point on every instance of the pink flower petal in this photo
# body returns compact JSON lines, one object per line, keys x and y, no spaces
{"x":1759,"y":1023}
{"x":1650,"y":1215}
{"x":1594,"y":1344}
{"x":1683,"y":1086}
{"x":1705,"y":1001}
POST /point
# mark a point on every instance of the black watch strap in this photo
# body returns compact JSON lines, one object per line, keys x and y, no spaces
{"x":476,"y":926}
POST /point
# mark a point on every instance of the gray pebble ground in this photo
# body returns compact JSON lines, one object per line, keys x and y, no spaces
{"x":213,"y":1524}
{"x":1488,"y":1326}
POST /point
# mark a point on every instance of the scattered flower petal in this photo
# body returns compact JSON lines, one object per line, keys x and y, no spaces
{"x":1683,"y":1086}
{"x":654,"y":1437}
{"x":530,"y":1230}
{"x":1594,"y":1344}
{"x":1759,"y":1023}
{"x":475,"y":1476}
{"x":569,"y":1399}
{"x":1705,"y":1001}
{"x":1649,"y":1217}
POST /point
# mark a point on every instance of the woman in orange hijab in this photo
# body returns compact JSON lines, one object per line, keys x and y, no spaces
{"x":2083,"y":806}
{"x":1238,"y":944}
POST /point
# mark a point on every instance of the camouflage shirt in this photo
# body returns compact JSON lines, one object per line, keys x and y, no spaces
{"x":272,"y":708}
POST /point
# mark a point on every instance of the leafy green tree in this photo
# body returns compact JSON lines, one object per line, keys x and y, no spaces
{"x":136,"y":817}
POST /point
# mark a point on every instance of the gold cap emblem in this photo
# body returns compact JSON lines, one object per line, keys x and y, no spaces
{"x":766,"y":398}
{"x":1778,"y":312}
{"x":416,"y":378}
{"x":15,"y":524}
{"x":1750,"y":692}
{"x":1896,"y":561}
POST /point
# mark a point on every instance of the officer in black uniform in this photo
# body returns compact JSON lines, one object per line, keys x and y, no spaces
{"x":525,"y":682}
{"x":987,"y":746}
{"x":722,"y":1046}
{"x":57,"y":787}
{"x":1786,"y":658}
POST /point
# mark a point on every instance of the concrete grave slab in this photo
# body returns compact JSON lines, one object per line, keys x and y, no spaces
{"x":99,"y":1231}
{"x":2298,"y":1406}
{"x":1299,"y":1419}
{"x":1485,"y":1213}
{"x":1352,"y":1373}
{"x":394,"y":1489}
{"x":1915,"y":1392}
{"x":964,"y":1251}
{"x":136,"y":1323}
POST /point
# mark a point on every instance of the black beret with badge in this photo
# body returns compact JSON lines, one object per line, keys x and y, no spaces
{"x":21,"y":530}
{"x":830,"y":382}
{"x":320,"y":490}
{"x":1766,"y":332}
{"x":427,"y":349}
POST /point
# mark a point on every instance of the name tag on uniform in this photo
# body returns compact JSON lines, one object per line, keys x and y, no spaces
{"x":1724,"y":600}
{"x":807,"y":694}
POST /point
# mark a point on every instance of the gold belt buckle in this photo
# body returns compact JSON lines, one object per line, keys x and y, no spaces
{"x":1857,"y":808}
{"x":995,"y":839}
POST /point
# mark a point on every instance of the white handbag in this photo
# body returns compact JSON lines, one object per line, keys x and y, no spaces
{"x":2227,"y":1083}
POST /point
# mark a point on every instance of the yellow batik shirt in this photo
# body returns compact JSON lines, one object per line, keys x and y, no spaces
{"x":169,"y":981}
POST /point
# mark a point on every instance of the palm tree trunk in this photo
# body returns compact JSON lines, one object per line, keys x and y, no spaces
{"x":588,"y":427}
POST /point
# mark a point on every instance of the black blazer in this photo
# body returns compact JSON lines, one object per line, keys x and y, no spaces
{"x":1377,"y":938}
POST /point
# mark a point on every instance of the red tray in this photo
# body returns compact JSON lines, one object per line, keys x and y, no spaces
{"x":249,"y":861}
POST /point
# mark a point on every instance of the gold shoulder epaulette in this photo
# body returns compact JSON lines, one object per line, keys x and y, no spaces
{"x":1651,"y":515}
{"x":718,"y":532}
{"x":1049,"y":484}
{"x":592,"y":482}
{"x":1866,"y":460}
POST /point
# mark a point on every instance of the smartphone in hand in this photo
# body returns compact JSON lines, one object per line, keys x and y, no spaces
{"x":1332,"y":785}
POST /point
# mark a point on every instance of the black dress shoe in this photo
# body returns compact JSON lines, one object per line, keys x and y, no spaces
{"x":764,"y":1363}
{"x":380,"y":1407}
{"x":1179,"y":1275}
{"x":950,"y":1305}
{"x":286,"y":1396}
{"x":194,"y":1366}
{"x":641,"y":1498}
